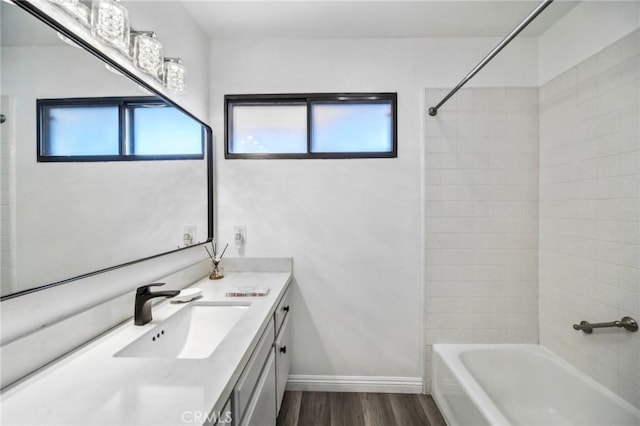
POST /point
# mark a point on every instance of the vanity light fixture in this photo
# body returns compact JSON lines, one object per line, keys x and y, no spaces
{"x":147,"y":52}
{"x":110,"y":22}
{"x":76,"y":9}
{"x":174,"y":75}
{"x":65,"y":4}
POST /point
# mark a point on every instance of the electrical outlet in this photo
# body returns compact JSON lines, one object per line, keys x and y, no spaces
{"x":240,"y":234}
{"x":189,"y":235}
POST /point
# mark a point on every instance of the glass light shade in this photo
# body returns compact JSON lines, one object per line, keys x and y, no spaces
{"x":110,"y":22}
{"x":76,"y":9}
{"x":175,"y":76}
{"x":66,"y":4}
{"x":147,"y":54}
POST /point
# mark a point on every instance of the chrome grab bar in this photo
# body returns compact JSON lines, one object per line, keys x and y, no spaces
{"x":627,"y":322}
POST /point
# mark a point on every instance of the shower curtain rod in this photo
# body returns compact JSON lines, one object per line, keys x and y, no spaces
{"x":434,"y":110}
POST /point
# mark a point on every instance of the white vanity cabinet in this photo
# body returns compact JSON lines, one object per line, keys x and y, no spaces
{"x":257,"y":395}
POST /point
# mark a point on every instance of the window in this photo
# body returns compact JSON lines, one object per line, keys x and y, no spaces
{"x":116,"y":129}
{"x":327,"y":125}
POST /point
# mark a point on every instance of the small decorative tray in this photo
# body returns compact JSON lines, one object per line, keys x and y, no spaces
{"x":247,"y":292}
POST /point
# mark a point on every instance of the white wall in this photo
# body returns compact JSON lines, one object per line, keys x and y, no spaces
{"x":590,"y":213}
{"x":7,"y":198}
{"x":581,"y":33}
{"x":481,"y":218}
{"x":86,"y":308}
{"x":353,"y":227}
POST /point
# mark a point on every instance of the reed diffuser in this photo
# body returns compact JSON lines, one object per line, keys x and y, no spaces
{"x":218,"y":270}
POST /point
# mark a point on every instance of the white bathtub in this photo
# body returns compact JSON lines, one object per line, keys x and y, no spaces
{"x":520,"y":385}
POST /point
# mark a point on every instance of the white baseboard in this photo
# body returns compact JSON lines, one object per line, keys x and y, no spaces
{"x":379,"y":384}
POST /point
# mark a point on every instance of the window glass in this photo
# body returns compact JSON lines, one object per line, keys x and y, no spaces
{"x":116,"y":129}
{"x":81,"y":131}
{"x":164,"y":130}
{"x":314,"y":125}
{"x":351,"y":127}
{"x":269,"y":129}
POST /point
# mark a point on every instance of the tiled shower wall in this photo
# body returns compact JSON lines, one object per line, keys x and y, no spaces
{"x":590,"y":214}
{"x":481,"y":225}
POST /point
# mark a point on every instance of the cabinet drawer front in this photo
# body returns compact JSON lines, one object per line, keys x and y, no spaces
{"x":251,"y":373}
{"x":282,"y":309}
{"x":283,"y":360}
{"x":262,"y":408}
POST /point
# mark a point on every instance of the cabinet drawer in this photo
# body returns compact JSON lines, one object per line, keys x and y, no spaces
{"x":283,"y":360}
{"x":251,"y":373}
{"x":262,"y":408}
{"x":282,"y":309}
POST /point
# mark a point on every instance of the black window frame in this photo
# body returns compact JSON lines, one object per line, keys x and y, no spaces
{"x":126,"y":106}
{"x":309,"y":99}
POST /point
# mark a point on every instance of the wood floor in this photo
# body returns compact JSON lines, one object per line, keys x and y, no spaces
{"x":358,"y":409}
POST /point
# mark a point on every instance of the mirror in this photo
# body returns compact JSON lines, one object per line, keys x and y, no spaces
{"x":61,"y":220}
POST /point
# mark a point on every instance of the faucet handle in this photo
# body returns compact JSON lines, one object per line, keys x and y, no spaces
{"x":145,"y":288}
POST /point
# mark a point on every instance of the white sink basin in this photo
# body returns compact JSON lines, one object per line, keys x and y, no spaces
{"x":193,"y":332}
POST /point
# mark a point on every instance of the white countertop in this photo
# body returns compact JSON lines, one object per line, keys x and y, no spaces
{"x":92,"y":387}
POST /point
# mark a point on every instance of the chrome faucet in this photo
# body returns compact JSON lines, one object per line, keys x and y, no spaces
{"x":142,"y":314}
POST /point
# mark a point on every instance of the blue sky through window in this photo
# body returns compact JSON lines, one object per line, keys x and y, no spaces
{"x":165,"y":131}
{"x":84,"y":130}
{"x":351,"y":127}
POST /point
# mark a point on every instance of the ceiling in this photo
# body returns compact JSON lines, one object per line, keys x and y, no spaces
{"x":369,"y":19}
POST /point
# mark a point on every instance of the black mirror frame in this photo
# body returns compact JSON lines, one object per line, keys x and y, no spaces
{"x":56,"y":26}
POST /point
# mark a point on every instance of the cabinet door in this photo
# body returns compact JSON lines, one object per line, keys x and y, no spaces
{"x":283,"y":360}
{"x":262,"y":408}
{"x":248,"y":382}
